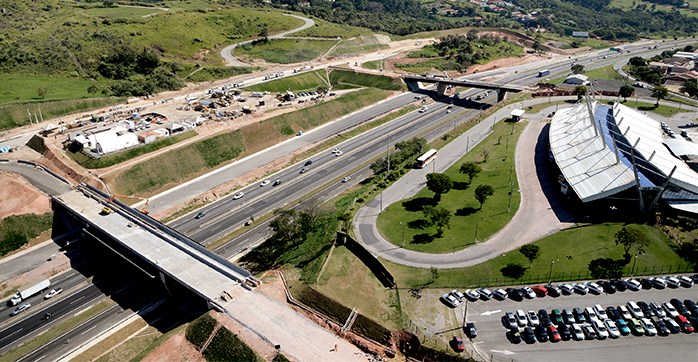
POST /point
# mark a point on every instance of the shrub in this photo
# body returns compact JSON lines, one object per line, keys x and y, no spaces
{"x":226,"y":346}
{"x":200,"y":329}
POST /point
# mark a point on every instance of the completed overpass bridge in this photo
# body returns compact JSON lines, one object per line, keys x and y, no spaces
{"x":153,"y":247}
{"x":414,"y":82}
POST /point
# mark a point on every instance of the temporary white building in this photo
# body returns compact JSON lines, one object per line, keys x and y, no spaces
{"x":110,"y":141}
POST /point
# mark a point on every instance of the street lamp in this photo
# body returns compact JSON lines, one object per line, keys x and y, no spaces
{"x":550,"y":275}
{"x":632,"y":271}
{"x":477,"y":223}
{"x":403,"y":234}
{"x":608,"y":233}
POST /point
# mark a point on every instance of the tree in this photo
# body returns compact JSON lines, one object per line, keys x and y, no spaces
{"x":439,"y":184}
{"x":42,"y":92}
{"x":537,"y":47}
{"x":345,"y":220}
{"x":659,"y":93}
{"x":285,"y":227}
{"x":485,"y":153}
{"x":482,"y":192}
{"x":92,"y":89}
{"x":531,"y":252}
{"x":631,"y":237}
{"x":691,"y":87}
{"x":637,"y":61}
{"x":626,"y":91}
{"x":580,"y":91}
{"x":434,"y":274}
{"x":471,"y":169}
{"x":605,"y":268}
{"x":439,"y":216}
{"x":578,"y":69}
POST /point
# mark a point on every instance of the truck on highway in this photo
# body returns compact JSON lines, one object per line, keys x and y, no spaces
{"x":543,"y":73}
{"x":30,"y":291}
{"x":423,"y":109}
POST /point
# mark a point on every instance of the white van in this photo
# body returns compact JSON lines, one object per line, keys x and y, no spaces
{"x":423,"y":109}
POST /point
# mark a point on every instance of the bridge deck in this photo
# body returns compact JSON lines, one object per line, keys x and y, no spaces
{"x":172,"y":257}
{"x":466,"y":83}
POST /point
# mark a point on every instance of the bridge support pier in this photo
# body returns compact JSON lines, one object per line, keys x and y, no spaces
{"x":501,"y":94}
{"x":413,"y":86}
{"x":441,"y":88}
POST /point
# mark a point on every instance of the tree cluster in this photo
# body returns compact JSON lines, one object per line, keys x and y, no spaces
{"x":405,"y":156}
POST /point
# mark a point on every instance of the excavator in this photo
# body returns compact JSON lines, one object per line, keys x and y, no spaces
{"x":143,"y":210}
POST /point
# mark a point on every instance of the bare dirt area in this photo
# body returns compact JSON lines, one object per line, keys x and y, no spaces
{"x":175,"y":349}
{"x":20,"y":197}
{"x":47,"y":270}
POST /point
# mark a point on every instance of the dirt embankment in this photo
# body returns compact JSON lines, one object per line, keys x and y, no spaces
{"x":20,"y":197}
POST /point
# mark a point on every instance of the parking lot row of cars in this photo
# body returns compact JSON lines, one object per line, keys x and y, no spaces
{"x":597,"y":322}
{"x":454,"y":298}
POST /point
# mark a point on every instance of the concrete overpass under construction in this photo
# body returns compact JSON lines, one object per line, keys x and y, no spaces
{"x":442,"y":83}
{"x":156,"y":249}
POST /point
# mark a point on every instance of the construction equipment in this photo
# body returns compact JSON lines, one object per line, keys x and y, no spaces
{"x":143,"y":210}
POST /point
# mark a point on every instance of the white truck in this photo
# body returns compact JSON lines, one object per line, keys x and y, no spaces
{"x":423,"y":109}
{"x":30,"y":291}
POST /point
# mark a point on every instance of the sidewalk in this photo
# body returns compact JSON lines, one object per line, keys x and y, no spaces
{"x":535,"y":218}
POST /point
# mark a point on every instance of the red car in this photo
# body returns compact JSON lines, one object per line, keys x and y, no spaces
{"x":458,"y":344}
{"x":554,"y":334}
{"x":540,"y":291}
{"x":685,"y":325}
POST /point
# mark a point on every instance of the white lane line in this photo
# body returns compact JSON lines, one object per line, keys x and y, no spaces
{"x":40,"y":358}
{"x":7,"y":336}
{"x":76,"y":300}
{"x":91,"y":328}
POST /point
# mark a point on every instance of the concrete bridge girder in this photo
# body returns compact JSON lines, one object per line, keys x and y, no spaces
{"x":441,"y":88}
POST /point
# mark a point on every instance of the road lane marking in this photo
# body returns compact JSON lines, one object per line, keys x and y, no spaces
{"x":76,"y":300}
{"x":489,"y":312}
{"x":91,"y":328}
{"x":10,"y":334}
{"x":504,"y":351}
{"x":40,"y":358}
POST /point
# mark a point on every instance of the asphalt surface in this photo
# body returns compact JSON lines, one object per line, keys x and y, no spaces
{"x":42,"y":180}
{"x":13,"y":266}
{"x":492,"y":341}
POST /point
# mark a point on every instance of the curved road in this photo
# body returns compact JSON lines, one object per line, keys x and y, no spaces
{"x":226,"y":53}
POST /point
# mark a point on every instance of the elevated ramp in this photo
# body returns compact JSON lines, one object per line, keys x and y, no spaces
{"x":414,"y":82}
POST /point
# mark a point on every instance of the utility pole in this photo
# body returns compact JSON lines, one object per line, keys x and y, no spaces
{"x":403,"y":234}
{"x":632,"y":272}
{"x":608,"y":233}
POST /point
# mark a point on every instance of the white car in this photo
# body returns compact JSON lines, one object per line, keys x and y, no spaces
{"x":346,"y":179}
{"x":238,"y":195}
{"x":650,"y":330}
{"x":20,"y":309}
{"x":600,"y":312}
{"x":635,"y":310}
{"x":339,"y":153}
{"x":581,"y":289}
{"x":576,"y":331}
{"x":593,"y":288}
{"x":672,"y":282}
{"x":485,"y":293}
{"x":590,"y":314}
{"x":521,"y":318}
{"x":566,"y":288}
{"x":472,"y":294}
{"x":458,"y":295}
{"x":53,"y":293}
{"x":633,"y":284}
{"x":657,"y":310}
{"x":533,"y":319}
{"x":335,"y":150}
{"x":670,"y":310}
{"x":264,"y":183}
{"x":450,"y":300}
{"x":613,"y":331}
{"x":624,"y":312}
{"x":685,"y":281}
{"x":500,"y":293}
{"x":528,"y":292}
{"x":600,"y":328}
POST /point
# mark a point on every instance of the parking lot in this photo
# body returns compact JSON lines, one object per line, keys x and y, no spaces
{"x":492,"y":342}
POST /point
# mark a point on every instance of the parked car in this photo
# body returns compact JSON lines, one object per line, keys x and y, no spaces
{"x":581,"y":289}
{"x":620,"y":285}
{"x":540,"y":291}
{"x":670,"y":310}
{"x":544,"y":318}
{"x":589,"y":332}
{"x":510,"y":320}
{"x":694,"y":322}
{"x":633,"y":284}
{"x":450,"y":300}
{"x":457,"y":344}
{"x":647,"y":324}
{"x":515,"y":335}
{"x":606,"y":286}
{"x":568,"y":316}
{"x":635,"y":310}
{"x":593,"y":288}
{"x":600,"y":312}
{"x":472,"y":294}
{"x":624,"y":312}
{"x":577,"y":332}
{"x":646,"y":311}
{"x":691,"y":306}
{"x":579,"y":315}
{"x":566,"y":288}
{"x":553,"y":334}
{"x":612,"y":329}
{"x":613,"y":313}
{"x":553,"y":291}
{"x":662,"y":329}
{"x":541,"y":333}
{"x":515,"y":294}
{"x":623,"y":327}
{"x":679,"y":306}
{"x":672,"y":325}
{"x":658,"y":283}
{"x":521,"y":319}
{"x":686,"y":327}
{"x":458,"y":295}
{"x":528,"y":292}
{"x":685,"y":281}
{"x":532,"y":318}
{"x":635,"y":327}
{"x":590,"y":314}
{"x":657,"y":310}
{"x":470,"y":330}
{"x":556,"y":316}
{"x":672,"y":282}
{"x":600,"y":329}
{"x":500,"y":294}
{"x":485,"y":293}
{"x":645,"y":283}
{"x":564,"y":331}
{"x":528,"y":335}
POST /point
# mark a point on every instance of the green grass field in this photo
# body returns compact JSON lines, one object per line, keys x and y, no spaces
{"x":357,"y":79}
{"x":17,"y":230}
{"x":303,"y":82}
{"x":663,"y":110}
{"x":358,"y":44}
{"x":460,"y":201}
{"x":571,"y":257}
{"x":121,"y":12}
{"x":285,"y":51}
{"x":325,"y":29}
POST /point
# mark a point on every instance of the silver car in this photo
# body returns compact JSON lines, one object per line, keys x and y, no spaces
{"x":20,"y":309}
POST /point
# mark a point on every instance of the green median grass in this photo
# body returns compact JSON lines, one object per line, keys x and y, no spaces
{"x":460,"y":201}
{"x":572,"y":249}
{"x":303,"y":82}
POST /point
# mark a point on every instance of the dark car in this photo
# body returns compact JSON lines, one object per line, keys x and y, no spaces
{"x":645,"y":309}
{"x":568,"y":316}
{"x":276,"y":183}
{"x":607,"y":287}
{"x":646,"y":284}
{"x":691,"y":306}
{"x":564,"y":331}
{"x":553,"y":291}
{"x":672,"y":325}
{"x":579,"y":315}
{"x":694,"y":322}
{"x":309,"y":162}
{"x":613,"y":313}
{"x":662,"y":329}
{"x":556,"y":316}
{"x":470,"y":330}
{"x":544,"y":318}
{"x":457,"y":344}
{"x":515,"y":294}
{"x":679,"y":306}
{"x":528,"y":335}
{"x":200,"y":215}
{"x":514,"y":335}
{"x":620,"y":285}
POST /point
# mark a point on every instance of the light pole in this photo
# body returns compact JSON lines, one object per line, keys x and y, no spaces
{"x":477,"y":224}
{"x":403,"y":234}
{"x":550,"y":275}
{"x":608,"y":233}
{"x":632,"y":271}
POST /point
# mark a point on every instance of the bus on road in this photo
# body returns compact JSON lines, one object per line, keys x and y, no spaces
{"x":426,"y":158}
{"x":543,"y":73}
